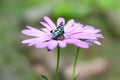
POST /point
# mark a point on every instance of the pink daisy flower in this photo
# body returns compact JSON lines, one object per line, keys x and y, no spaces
{"x":62,"y":34}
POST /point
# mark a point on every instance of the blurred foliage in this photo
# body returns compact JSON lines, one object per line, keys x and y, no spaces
{"x":44,"y":77}
{"x":83,"y":8}
{"x":15,"y":65}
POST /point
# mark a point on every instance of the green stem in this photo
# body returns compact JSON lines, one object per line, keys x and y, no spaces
{"x":75,"y":63}
{"x":57,"y":66}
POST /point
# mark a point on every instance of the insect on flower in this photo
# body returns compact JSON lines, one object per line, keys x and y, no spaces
{"x":58,"y":34}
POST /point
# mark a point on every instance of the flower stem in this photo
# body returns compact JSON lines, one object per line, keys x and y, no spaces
{"x":57,"y":66}
{"x":75,"y":63}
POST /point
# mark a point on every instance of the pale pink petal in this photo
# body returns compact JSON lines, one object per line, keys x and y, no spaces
{"x":69,"y":24}
{"x":71,"y":29}
{"x":77,"y":42}
{"x":45,"y":30}
{"x":62,"y":44}
{"x":91,"y":29}
{"x":30,"y":44}
{"x":97,"y":42}
{"x":60,"y":20}
{"x":67,"y":36}
{"x":49,"y":22}
{"x":83,"y":36}
{"x":96,"y":30}
{"x":88,"y":27}
{"x":47,"y":26}
{"x":93,"y":42}
{"x":81,"y":28}
{"x":99,"y":35}
{"x":41,"y":45}
{"x":52,"y":44}
{"x":33,"y":40}
{"x":34,"y":32}
{"x":81,"y":44}
{"x":77,"y":27}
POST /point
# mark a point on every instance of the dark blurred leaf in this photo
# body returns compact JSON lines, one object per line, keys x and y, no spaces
{"x":44,"y":77}
{"x":75,"y":78}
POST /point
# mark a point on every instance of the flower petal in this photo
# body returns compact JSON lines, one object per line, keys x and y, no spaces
{"x":77,"y":42}
{"x":97,"y":43}
{"x":91,"y":29}
{"x":99,"y":35}
{"x":62,"y":44}
{"x":47,"y":26}
{"x":33,"y":41}
{"x":96,"y":30}
{"x":88,"y":27}
{"x":83,"y":35}
{"x":49,"y":22}
{"x":34,"y":32}
{"x":41,"y":45}
{"x":93,"y":42}
{"x":69,"y":24}
{"x":60,"y":20}
{"x":76,"y":28}
{"x":52,"y":44}
{"x":45,"y":30}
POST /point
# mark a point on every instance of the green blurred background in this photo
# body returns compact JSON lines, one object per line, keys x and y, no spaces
{"x":16,"y":14}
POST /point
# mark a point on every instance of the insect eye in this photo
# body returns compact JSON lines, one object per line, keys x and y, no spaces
{"x":51,"y":31}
